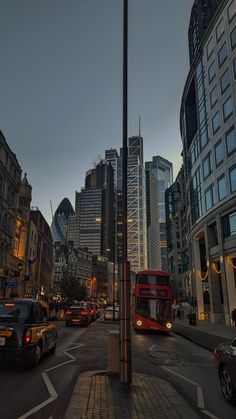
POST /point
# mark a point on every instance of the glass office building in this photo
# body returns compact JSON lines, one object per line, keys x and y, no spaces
{"x":208,"y":129}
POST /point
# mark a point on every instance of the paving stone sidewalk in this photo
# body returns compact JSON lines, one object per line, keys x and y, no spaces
{"x":98,"y":395}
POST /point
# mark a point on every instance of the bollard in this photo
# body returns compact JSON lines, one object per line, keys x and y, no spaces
{"x":113,"y":363}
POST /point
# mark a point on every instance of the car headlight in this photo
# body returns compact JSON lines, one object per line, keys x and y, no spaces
{"x":168,"y":325}
{"x":139,"y":323}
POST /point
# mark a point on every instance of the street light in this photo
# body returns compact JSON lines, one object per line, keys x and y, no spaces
{"x":125,"y":320}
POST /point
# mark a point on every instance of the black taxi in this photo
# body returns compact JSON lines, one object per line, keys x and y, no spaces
{"x":25,"y":333}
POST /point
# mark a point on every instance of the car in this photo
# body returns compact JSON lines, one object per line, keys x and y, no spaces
{"x":25,"y":333}
{"x":78,"y":315}
{"x":92,"y":310}
{"x":225,"y":357}
{"x":108,"y":315}
{"x":97,"y":310}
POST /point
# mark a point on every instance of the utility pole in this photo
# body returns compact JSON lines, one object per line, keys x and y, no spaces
{"x":125,"y":320}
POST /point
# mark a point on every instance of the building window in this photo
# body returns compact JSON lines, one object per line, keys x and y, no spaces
{"x":209,"y":198}
{"x":210,"y":48}
{"x":214,"y":96}
{"x":218,"y":153}
{"x":202,"y":114}
{"x":233,"y":38}
{"x":220,"y":30}
{"x":228,"y":108}
{"x":232,"y":178}
{"x":231,"y":141}
{"x":212,"y":71}
{"x":234,"y":63}
{"x":225,"y":81}
{"x":206,"y":166}
{"x":222,"y":55}
{"x":216,"y":122}
{"x":232,"y":10}
{"x":221,"y":188}
{"x":229,"y":225}
{"x":204,"y":138}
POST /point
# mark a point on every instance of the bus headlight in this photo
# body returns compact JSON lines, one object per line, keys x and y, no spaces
{"x":139,"y":323}
{"x":168,"y":325}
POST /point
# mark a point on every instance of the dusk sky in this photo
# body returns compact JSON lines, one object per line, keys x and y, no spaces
{"x":61,"y":85}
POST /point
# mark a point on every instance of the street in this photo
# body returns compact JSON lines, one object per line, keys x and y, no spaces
{"x":45,"y":392}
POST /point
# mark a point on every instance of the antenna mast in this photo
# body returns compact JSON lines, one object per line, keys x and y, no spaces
{"x":51,"y":208}
{"x":139,"y":126}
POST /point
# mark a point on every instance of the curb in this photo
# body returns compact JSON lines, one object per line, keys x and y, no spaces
{"x":80,"y":392}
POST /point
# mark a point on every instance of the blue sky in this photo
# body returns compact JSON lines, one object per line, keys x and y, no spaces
{"x":61,"y":85}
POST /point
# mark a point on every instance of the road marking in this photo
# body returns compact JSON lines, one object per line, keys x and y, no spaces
{"x":51,"y":390}
{"x":200,"y":398}
{"x":181,"y":376}
{"x":53,"y":396}
{"x":207,"y":413}
{"x":152,"y":347}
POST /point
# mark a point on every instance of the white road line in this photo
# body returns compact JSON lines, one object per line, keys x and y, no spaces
{"x":52,"y":392}
{"x":200,"y":398}
{"x":74,"y":347}
{"x":60,"y":365}
{"x":70,"y":356}
{"x":181,"y":376}
{"x":207,"y":413}
{"x":152,"y":347}
{"x":53,"y":397}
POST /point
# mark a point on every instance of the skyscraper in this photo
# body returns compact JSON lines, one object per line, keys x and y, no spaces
{"x":153,"y":231}
{"x":94,"y":211}
{"x":136,"y":205}
{"x":162,"y":169}
{"x":208,"y":120}
{"x":136,"y":202}
{"x":60,"y":221}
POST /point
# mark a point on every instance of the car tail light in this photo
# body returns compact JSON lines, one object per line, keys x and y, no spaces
{"x":28,"y":336}
{"x":69,"y":312}
{"x":91,"y":311}
{"x":83,"y":313}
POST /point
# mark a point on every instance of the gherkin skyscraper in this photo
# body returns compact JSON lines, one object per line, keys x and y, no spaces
{"x":60,"y":221}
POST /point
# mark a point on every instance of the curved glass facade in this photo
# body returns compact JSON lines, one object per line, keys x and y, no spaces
{"x":208,"y":128}
{"x":60,"y":221}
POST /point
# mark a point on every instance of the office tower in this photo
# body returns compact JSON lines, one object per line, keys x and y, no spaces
{"x":176,"y":231}
{"x":207,"y":121}
{"x":162,"y":169}
{"x":94,"y":211}
{"x":60,"y":221}
{"x":136,"y":205}
{"x":201,"y":15}
{"x":153,"y":232}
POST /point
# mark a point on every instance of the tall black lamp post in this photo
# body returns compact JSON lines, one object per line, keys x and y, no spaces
{"x":125,"y":315}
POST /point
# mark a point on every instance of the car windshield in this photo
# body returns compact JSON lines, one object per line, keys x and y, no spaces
{"x":14,"y":311}
{"x":77,"y":308}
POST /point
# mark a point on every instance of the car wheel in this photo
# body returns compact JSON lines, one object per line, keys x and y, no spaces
{"x":227,"y":386}
{"x":37,"y":356}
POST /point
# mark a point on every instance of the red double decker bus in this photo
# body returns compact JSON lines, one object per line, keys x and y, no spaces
{"x":152,"y":301}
